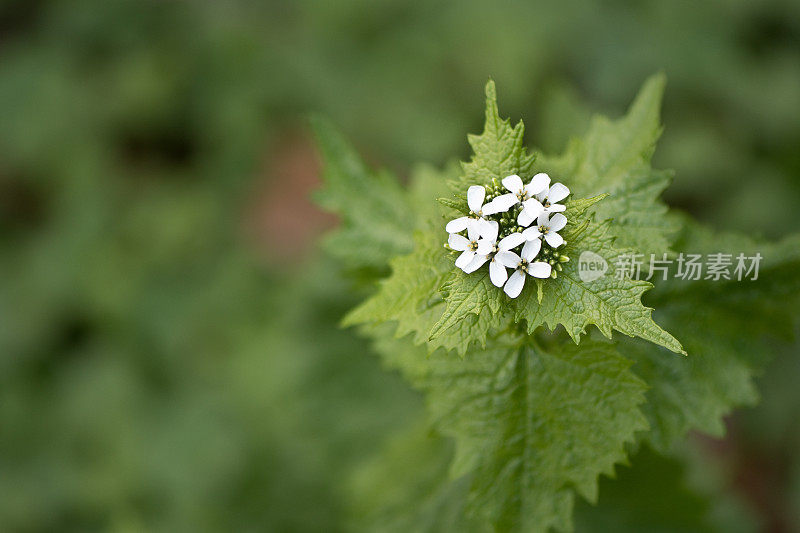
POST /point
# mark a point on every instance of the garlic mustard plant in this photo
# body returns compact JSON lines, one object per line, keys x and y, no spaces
{"x":541,"y":384}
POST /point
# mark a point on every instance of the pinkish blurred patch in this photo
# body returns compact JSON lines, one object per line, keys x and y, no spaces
{"x":282,"y":222}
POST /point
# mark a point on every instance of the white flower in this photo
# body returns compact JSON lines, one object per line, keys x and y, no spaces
{"x":473,"y":246}
{"x":531,"y":209}
{"x":550,"y":195}
{"x":485,"y":246}
{"x":483,"y":225}
{"x":525,"y":265}
{"x":547,"y":228}
{"x":519,"y":192}
{"x":502,"y":258}
{"x":475,"y":196}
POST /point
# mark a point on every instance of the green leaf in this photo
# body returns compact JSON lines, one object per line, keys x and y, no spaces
{"x":410,"y":295}
{"x":729,"y":328}
{"x":498,"y":151}
{"x":465,"y":295}
{"x":614,"y":158}
{"x":532,"y":425}
{"x":610,"y":303}
{"x":373,"y":206}
{"x":459,"y":205}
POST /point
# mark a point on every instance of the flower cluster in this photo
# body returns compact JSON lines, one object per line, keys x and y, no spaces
{"x":501,"y":220}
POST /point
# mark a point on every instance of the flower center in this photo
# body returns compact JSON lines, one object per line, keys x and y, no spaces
{"x":473,"y":245}
{"x":543,"y":230}
{"x":522,"y":196}
{"x":546,"y":204}
{"x":523,"y":266}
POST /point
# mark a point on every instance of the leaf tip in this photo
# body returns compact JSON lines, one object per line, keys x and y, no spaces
{"x":490,"y":90}
{"x":492,"y":113}
{"x":648,"y":100}
{"x":320,"y":125}
{"x":348,"y":320}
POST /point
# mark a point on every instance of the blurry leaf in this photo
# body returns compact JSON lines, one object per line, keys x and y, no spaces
{"x":407,"y":488}
{"x":614,"y":158}
{"x":375,"y":212}
{"x":563,"y":115}
{"x":651,"y":495}
{"x":730,"y":330}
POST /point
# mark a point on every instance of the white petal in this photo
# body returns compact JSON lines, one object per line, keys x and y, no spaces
{"x":511,"y":241}
{"x":524,"y":219}
{"x":558,"y":192}
{"x":531,"y":233}
{"x":474,"y":230}
{"x":474,"y":225}
{"x":497,"y":273}
{"x":457,"y":225}
{"x":508,"y":259}
{"x":531,"y":250}
{"x":490,"y":208}
{"x":515,"y":283}
{"x":539,"y":184}
{"x":464,"y":259}
{"x":557,"y":222}
{"x":485,"y":246}
{"x":539,"y":270}
{"x":543,"y":220}
{"x":475,"y":196}
{"x":489,"y":229}
{"x":533,"y":207}
{"x":554,"y":239}
{"x":458,"y":242}
{"x":475,"y":264}
{"x":513,"y":183}
{"x":556,"y":208}
{"x":502,"y":203}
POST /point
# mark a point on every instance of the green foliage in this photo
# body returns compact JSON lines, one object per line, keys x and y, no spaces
{"x":155,"y":376}
{"x":410,"y":295}
{"x":609,"y":302}
{"x":730,"y":329}
{"x":536,"y":419}
{"x":502,"y":405}
{"x":374,"y":210}
{"x":407,"y":487}
{"x":652,"y":496}
{"x":473,"y":307}
{"x":497,"y":152}
{"x":614,"y":158}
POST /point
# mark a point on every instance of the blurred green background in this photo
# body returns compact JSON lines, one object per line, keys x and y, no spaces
{"x":169,"y":352}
